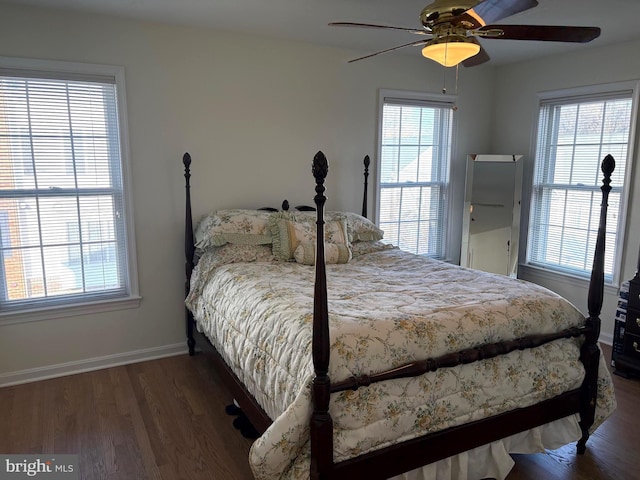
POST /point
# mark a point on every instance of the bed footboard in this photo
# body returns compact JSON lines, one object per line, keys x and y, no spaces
{"x":429,"y":448}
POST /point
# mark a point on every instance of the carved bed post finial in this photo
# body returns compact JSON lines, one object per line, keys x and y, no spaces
{"x":596,"y":286}
{"x":366,"y":162}
{"x":321,"y":426}
{"x":189,"y":250}
{"x":590,"y":353}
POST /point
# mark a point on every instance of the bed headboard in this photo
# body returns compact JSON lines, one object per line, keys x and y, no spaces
{"x":189,"y":240}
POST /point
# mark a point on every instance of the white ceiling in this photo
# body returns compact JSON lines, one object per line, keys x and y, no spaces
{"x":306,"y":20}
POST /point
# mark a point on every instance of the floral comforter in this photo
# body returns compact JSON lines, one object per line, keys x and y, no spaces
{"x":386,"y":308}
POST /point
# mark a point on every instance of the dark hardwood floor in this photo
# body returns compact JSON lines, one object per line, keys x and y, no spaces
{"x":164,"y":419}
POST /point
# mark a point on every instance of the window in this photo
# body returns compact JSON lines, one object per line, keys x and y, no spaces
{"x":575,"y":132}
{"x":414,"y":150}
{"x":65,"y":236}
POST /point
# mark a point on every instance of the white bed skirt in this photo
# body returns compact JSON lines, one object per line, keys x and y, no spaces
{"x":493,"y":460}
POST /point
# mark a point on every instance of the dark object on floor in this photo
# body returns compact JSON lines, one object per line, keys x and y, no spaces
{"x":232,"y":409}
{"x":241,"y":422}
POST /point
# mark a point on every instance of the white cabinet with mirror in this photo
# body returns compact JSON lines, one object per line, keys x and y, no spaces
{"x":491,"y":217}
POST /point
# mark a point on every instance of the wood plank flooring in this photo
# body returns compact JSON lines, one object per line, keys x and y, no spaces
{"x":165,"y":420}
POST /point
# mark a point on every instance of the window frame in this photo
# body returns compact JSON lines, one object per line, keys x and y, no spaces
{"x":420,"y":99}
{"x":566,"y":97}
{"x":89,"y":305}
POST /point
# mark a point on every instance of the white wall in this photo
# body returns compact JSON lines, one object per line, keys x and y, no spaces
{"x":252,"y":112}
{"x":515,"y":115}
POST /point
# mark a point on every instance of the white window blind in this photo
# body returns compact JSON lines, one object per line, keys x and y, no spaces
{"x":62,"y":216}
{"x":415,"y":152}
{"x":574,"y":135}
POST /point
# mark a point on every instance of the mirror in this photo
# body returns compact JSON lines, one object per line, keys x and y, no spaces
{"x":491,"y":218}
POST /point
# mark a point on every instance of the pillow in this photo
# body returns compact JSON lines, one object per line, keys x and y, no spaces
{"x":362,"y":248}
{"x":360,"y":229}
{"x":287,"y":232}
{"x":238,"y":226}
{"x":234,"y":253}
{"x":305,"y":253}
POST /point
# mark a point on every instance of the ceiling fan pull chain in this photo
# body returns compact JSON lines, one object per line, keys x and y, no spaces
{"x":444,"y":81}
{"x":455,"y":107}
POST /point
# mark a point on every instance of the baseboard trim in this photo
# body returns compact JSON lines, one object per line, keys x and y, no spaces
{"x":96,"y":363}
{"x":606,"y":338}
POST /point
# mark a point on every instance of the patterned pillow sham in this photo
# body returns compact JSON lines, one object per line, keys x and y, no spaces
{"x":237,"y":253}
{"x":359,"y":228}
{"x":289,"y":230}
{"x":362,"y":248}
{"x":237,"y":226}
{"x":305,"y":253}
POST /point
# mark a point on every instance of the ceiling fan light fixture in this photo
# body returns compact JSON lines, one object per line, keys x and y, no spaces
{"x":450,"y":51}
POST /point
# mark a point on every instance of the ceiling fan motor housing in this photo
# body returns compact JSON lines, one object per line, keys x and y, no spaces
{"x":441,"y":11}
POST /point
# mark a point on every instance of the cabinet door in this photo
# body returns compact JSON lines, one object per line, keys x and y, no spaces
{"x":632,"y":346}
{"x":633,"y":321}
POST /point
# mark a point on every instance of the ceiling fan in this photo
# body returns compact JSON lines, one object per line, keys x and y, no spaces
{"x":452,"y":29}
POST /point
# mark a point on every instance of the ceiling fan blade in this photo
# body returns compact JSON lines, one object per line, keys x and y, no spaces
{"x":493,"y":10}
{"x":543,"y":33}
{"x":386,"y":27}
{"x":479,"y":58}
{"x":412,"y":44}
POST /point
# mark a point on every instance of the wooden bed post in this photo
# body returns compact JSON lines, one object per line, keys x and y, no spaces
{"x":189,"y":251}
{"x":367,"y":161}
{"x":590,"y":353}
{"x":321,"y":426}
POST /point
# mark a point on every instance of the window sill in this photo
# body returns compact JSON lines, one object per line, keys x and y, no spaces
{"x":69,"y":310}
{"x":531,"y":273}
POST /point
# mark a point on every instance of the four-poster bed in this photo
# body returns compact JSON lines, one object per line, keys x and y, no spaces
{"x":455,"y":348}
